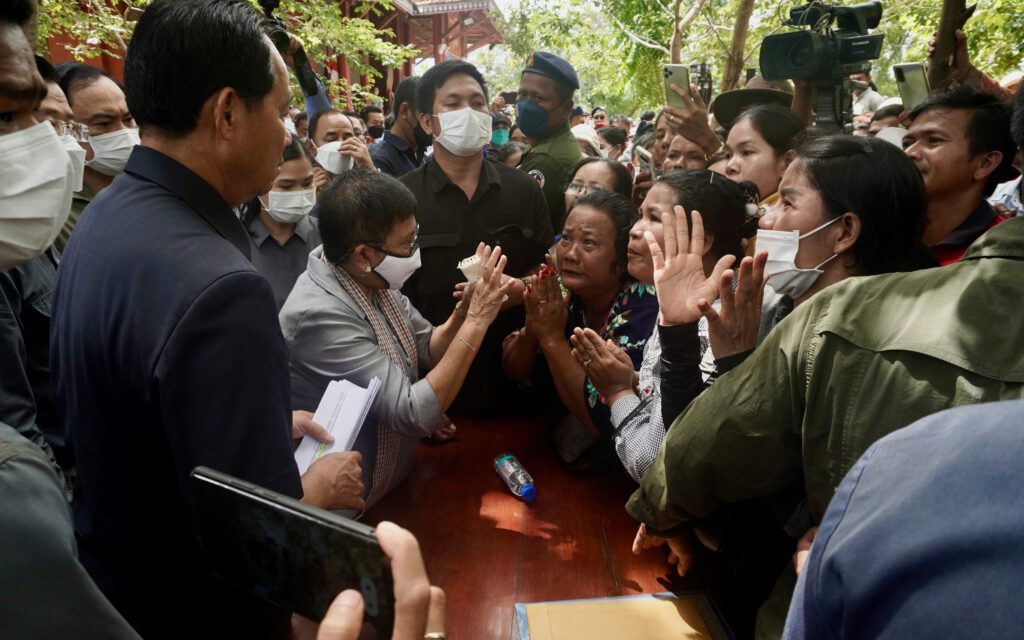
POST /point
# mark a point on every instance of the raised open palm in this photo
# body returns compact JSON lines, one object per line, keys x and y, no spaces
{"x":679,"y":277}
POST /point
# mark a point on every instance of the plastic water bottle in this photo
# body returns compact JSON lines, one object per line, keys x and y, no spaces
{"x":515,"y":476}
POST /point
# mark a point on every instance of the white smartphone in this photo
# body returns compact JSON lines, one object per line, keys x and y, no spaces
{"x":679,"y":75}
{"x":912,"y":81}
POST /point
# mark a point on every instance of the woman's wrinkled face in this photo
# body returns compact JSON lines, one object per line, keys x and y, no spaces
{"x":586,"y":253}
{"x":750,"y":157}
{"x":660,"y":200}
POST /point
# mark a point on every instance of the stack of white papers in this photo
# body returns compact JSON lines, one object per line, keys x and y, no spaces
{"x":341,"y":412}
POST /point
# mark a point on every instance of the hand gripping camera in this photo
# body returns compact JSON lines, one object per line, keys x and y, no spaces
{"x":278,"y":34}
{"x":835,"y":45}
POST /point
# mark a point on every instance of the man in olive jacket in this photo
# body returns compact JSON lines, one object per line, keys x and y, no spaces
{"x":856,"y":362}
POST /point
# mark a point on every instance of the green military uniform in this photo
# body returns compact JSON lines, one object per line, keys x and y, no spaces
{"x":858,"y":361}
{"x":79,"y":202}
{"x":549,"y":162}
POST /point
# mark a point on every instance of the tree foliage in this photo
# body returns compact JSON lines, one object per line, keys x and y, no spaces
{"x":618,"y":46}
{"x":94,"y":27}
{"x":576,"y":30}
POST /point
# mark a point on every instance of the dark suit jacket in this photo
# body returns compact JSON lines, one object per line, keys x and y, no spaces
{"x":166,"y":354}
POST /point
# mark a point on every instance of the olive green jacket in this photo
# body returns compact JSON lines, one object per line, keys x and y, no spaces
{"x":549,"y":161}
{"x":859,"y":360}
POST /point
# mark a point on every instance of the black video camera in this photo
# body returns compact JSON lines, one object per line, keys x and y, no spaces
{"x":836,"y":45}
{"x":278,"y":34}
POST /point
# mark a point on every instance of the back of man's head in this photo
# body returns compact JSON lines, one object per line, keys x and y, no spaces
{"x":888,"y":111}
{"x":47,"y":71}
{"x":987,"y":130}
{"x":184,"y":51}
{"x":437,"y":75}
{"x":405,"y":94}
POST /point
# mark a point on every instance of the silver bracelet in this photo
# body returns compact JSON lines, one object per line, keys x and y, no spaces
{"x":466,"y":343}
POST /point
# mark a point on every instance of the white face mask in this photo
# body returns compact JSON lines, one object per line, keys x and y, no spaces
{"x":464,"y":132}
{"x":77,"y":155}
{"x":289,"y":207}
{"x":111,"y":151}
{"x":396,"y":270}
{"x":781,"y":270}
{"x":35,"y":192}
{"x":329,"y":157}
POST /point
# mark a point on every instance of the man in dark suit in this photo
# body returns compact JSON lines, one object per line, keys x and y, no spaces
{"x":166,"y":352}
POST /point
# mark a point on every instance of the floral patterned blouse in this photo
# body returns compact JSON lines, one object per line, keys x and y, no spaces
{"x":629,"y":324}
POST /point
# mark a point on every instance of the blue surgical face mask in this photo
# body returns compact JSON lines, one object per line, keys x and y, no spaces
{"x":532,"y":118}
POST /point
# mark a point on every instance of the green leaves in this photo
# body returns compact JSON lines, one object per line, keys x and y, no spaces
{"x":618,"y":46}
{"x":100,"y":26}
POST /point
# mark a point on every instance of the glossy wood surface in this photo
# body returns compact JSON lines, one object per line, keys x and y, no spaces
{"x":488,"y":550}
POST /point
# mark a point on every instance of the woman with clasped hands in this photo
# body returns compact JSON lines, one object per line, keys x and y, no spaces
{"x":591,"y":259}
{"x":346,"y":320}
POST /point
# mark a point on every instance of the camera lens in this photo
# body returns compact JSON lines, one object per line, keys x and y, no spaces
{"x":799,"y":55}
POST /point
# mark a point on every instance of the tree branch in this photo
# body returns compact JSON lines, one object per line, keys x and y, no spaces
{"x":691,"y":15}
{"x":643,"y":42}
{"x":664,"y":7}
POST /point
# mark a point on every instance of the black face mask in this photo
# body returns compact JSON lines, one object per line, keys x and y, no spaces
{"x":423,"y":139}
{"x":375,"y":132}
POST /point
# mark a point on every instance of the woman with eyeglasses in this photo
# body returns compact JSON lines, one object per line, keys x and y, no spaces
{"x":601,"y":295}
{"x":346,"y":320}
{"x":597,"y":173}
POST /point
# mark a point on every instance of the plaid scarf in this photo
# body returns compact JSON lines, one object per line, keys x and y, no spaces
{"x":385,"y":312}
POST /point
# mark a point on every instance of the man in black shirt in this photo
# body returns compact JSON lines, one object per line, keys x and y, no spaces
{"x":401,"y":150}
{"x":166,"y":352}
{"x":462,"y":200}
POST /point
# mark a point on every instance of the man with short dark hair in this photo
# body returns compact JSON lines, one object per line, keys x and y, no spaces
{"x":885,"y":117}
{"x":301,"y":122}
{"x":960,"y":141}
{"x":373,"y":116}
{"x":26,"y":292}
{"x":577,"y":116}
{"x":99,"y":103}
{"x":462,"y":200}
{"x":646,"y":123}
{"x":542,"y":112}
{"x":48,"y":593}
{"x":166,"y":352}
{"x":402,"y":148}
{"x":332,"y":138}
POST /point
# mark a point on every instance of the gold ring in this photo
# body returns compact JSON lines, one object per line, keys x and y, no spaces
{"x":586,"y":363}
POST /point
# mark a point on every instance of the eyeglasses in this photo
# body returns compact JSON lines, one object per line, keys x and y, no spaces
{"x":576,"y":188}
{"x":409,"y":248}
{"x":76,"y":130}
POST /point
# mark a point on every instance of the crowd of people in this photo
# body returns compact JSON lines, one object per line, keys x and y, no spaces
{"x":737,"y":309}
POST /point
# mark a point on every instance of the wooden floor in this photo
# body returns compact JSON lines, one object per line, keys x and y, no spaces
{"x":488,"y":550}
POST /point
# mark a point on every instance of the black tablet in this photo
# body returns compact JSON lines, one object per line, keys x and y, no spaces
{"x":290,"y":553}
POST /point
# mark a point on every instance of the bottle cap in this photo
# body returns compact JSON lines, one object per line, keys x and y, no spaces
{"x":529,"y":492}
